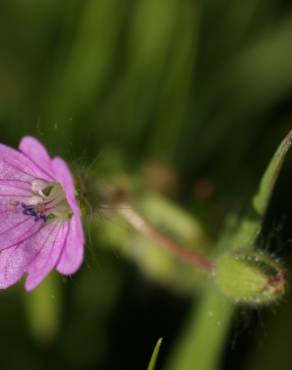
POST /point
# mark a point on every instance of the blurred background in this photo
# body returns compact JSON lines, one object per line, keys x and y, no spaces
{"x":182,"y":101}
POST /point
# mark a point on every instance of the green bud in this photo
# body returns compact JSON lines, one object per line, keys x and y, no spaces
{"x":250,"y":277}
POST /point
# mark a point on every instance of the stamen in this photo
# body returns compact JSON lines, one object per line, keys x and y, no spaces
{"x":29,"y":210}
{"x":39,"y":217}
{"x":48,"y":201}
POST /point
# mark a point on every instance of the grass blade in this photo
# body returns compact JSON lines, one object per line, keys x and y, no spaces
{"x":154,"y":356}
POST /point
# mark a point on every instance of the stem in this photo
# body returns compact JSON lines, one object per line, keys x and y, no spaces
{"x":137,"y":221}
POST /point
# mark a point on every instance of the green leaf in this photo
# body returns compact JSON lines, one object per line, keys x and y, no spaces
{"x":154,"y":356}
{"x":269,"y":179}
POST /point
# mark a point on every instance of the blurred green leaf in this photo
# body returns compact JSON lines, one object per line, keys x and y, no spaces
{"x":43,"y":308}
{"x":156,"y":262}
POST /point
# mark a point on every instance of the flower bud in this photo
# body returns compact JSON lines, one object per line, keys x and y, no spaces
{"x":250,"y":277}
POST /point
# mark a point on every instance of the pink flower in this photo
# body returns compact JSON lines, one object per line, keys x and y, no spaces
{"x":40,"y":222}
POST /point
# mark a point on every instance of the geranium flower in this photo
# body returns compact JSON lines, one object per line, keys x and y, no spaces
{"x":40,"y":221}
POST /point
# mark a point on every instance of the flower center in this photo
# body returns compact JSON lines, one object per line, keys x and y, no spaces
{"x":47,"y":202}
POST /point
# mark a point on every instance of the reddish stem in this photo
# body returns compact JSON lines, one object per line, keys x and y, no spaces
{"x":137,"y":221}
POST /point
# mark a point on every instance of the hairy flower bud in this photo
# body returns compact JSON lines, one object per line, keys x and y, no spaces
{"x":250,"y":277}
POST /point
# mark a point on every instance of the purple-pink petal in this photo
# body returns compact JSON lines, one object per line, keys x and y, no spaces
{"x":49,"y":243}
{"x":16,"y":166}
{"x":63,"y":176}
{"x":72,"y":254}
{"x":12,"y":262}
{"x":37,"y":153}
{"x":16,"y":227}
{"x":17,"y":190}
{"x":36,"y":255}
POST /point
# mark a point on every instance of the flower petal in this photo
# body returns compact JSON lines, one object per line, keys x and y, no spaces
{"x":16,"y":166}
{"x":72,"y":255}
{"x":12,"y":262}
{"x":63,"y":175}
{"x":37,"y":153}
{"x":16,"y":227}
{"x":37,"y":255}
{"x":49,"y":244}
{"x":17,"y":189}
